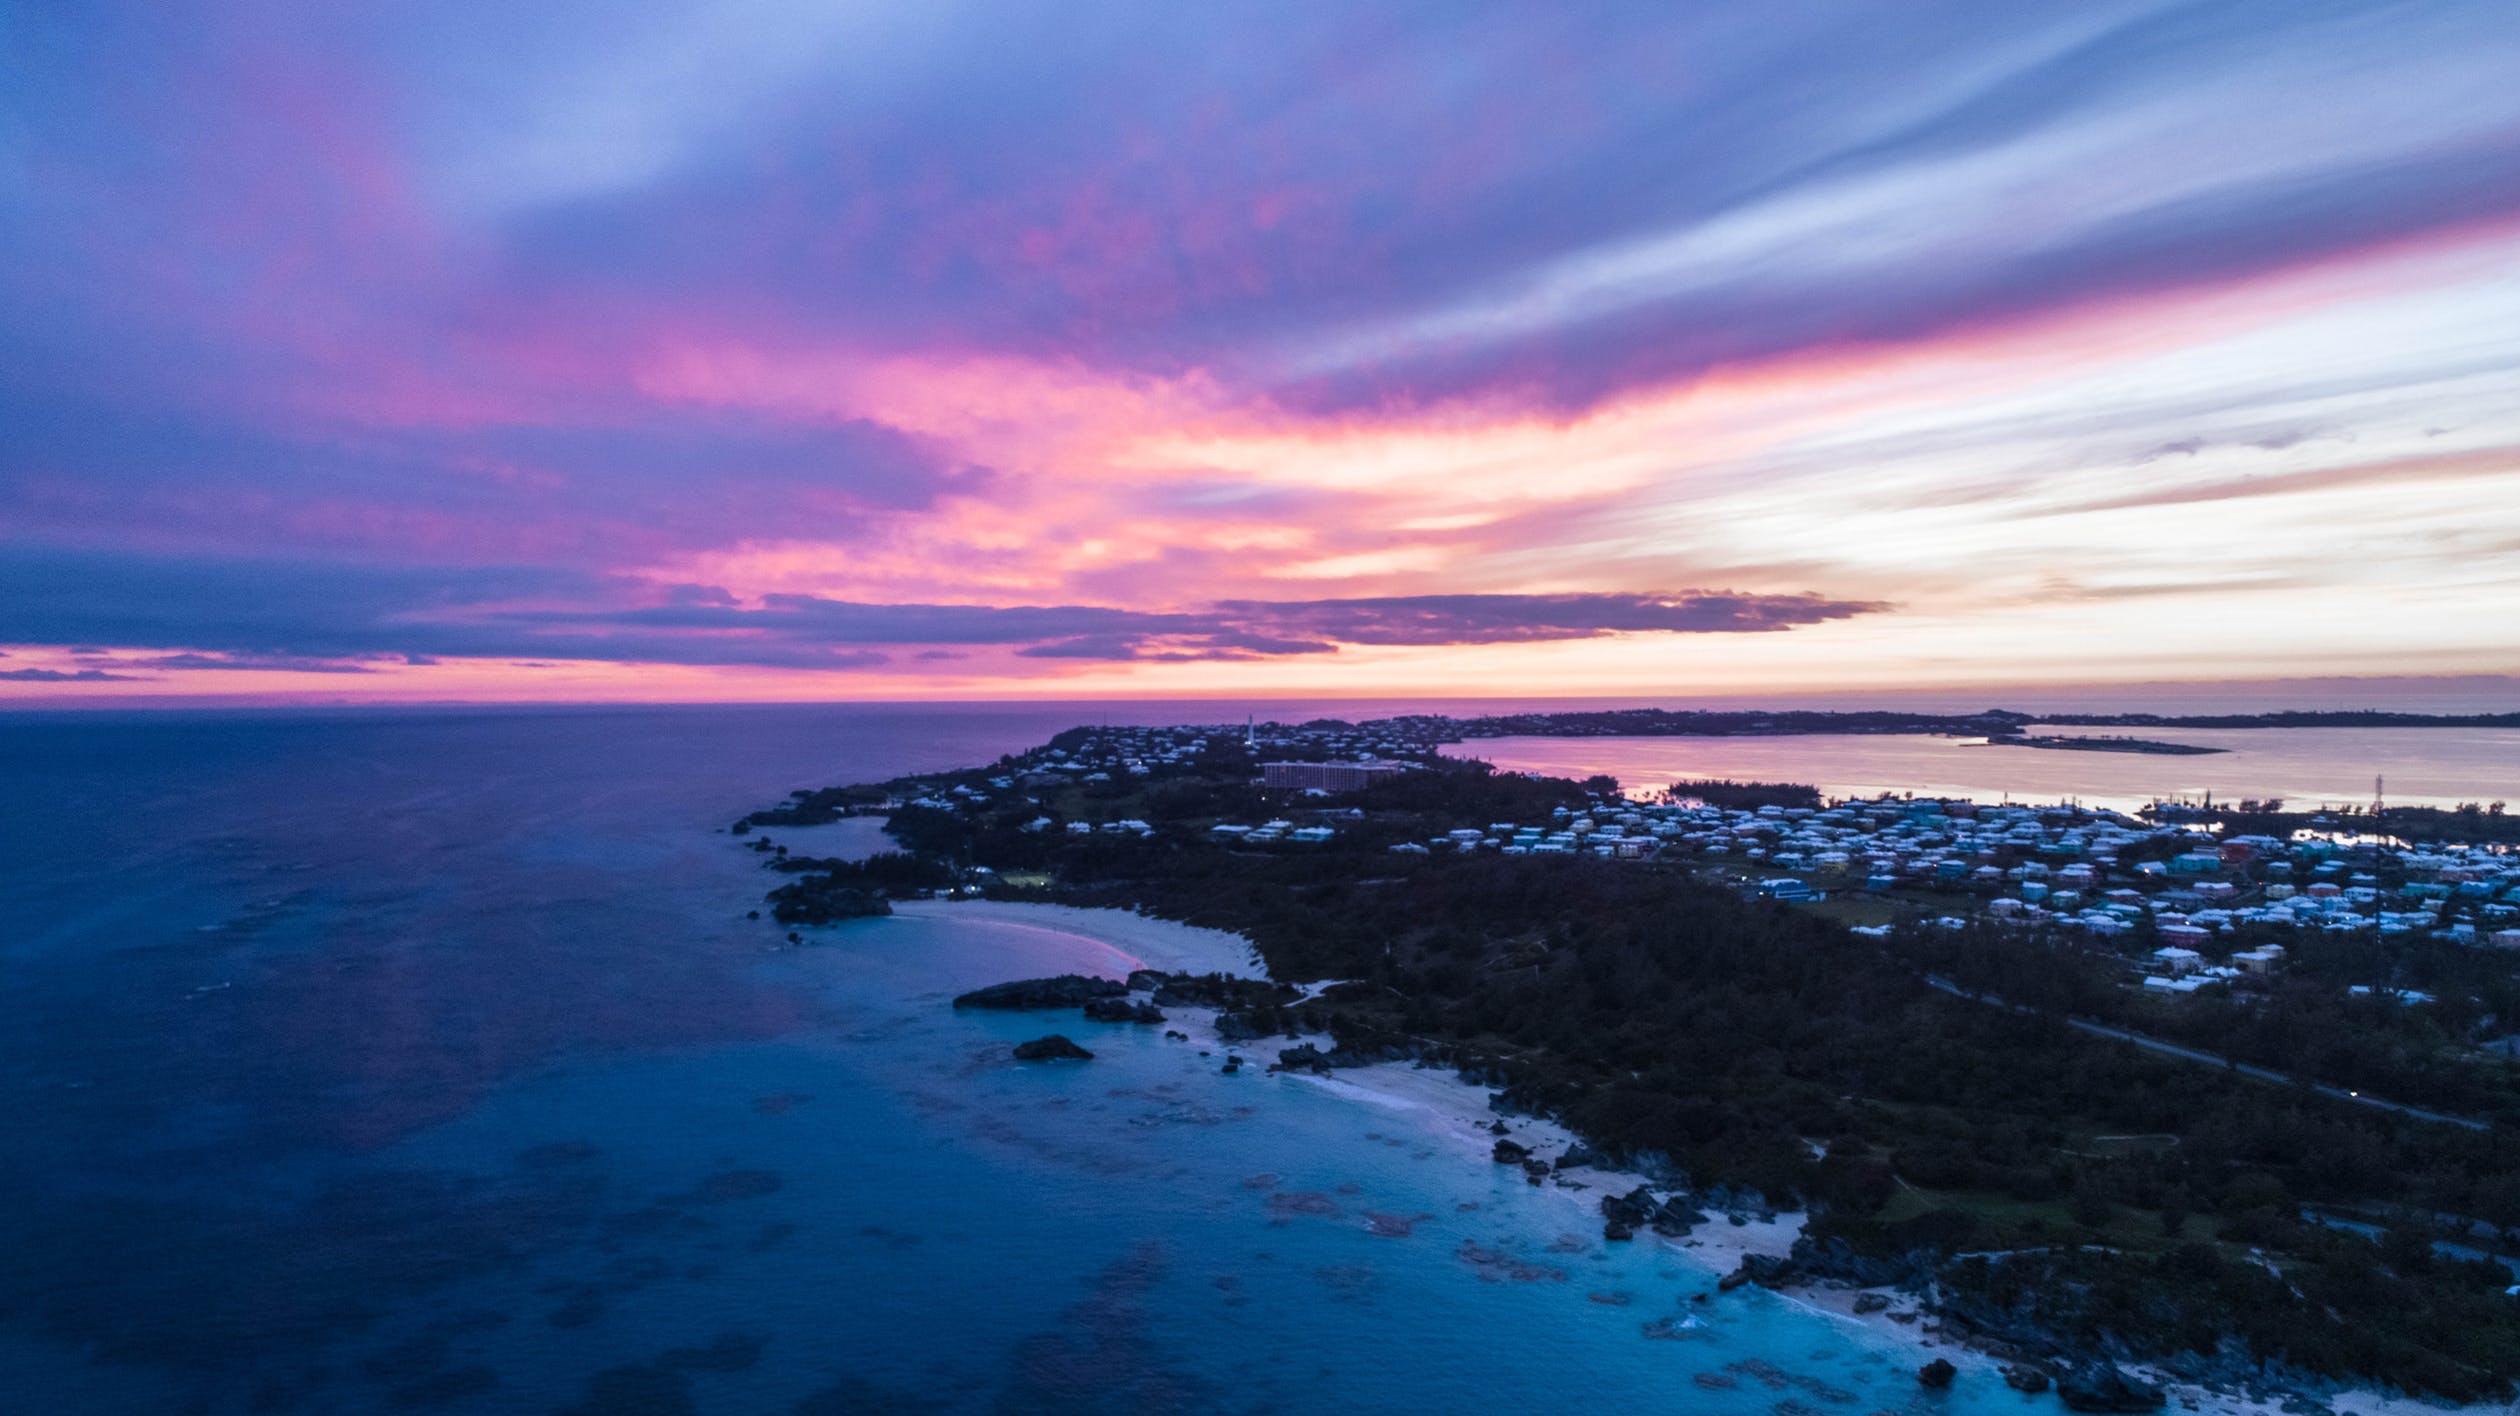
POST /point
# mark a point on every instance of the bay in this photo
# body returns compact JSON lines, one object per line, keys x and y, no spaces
{"x":2305,"y":767}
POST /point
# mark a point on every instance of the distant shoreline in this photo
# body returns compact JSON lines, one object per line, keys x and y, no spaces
{"x":1994,"y":724}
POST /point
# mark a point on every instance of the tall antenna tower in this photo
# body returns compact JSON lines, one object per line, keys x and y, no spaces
{"x":2378,"y":800}
{"x":1251,"y":735}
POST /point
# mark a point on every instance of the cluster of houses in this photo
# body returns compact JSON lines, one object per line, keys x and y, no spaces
{"x":1104,"y":755}
{"x":2060,"y":867}
{"x":2055,"y":867}
{"x":1274,"y":830}
{"x":2063,"y":866}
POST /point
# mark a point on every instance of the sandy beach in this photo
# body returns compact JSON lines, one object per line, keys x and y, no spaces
{"x":1133,"y":941}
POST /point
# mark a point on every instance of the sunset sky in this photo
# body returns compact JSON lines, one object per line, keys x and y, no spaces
{"x":799,"y":350}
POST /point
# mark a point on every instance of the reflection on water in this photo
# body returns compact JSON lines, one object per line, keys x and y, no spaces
{"x":2306,"y":767}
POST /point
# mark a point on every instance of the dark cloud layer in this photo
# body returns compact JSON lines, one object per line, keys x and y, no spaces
{"x":232,"y":614}
{"x":63,"y":676}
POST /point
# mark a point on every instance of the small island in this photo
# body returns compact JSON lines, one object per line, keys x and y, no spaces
{"x":2208,"y":1097}
{"x":2102,"y":744}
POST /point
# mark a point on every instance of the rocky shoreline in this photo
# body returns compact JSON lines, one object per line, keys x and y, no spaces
{"x":1893,"y":1298}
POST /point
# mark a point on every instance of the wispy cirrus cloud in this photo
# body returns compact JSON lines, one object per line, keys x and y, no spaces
{"x":2498,"y":462}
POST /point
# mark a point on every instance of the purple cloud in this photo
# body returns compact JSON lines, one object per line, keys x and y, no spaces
{"x":229,"y":614}
{"x":64,"y":676}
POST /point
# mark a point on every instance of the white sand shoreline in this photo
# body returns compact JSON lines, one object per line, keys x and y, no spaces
{"x":1457,"y":1111}
{"x":1135,"y":941}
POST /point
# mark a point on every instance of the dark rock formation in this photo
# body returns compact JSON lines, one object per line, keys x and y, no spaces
{"x":1511,"y":1153}
{"x":2029,"y":1379}
{"x":818,"y":899}
{"x":1936,"y":1375}
{"x":1033,"y":994}
{"x":1676,"y":1218}
{"x":1838,"y":1260}
{"x":1223,"y":991}
{"x":1767,"y":1270}
{"x":2100,"y":1386}
{"x":1053,"y":1048}
{"x":1638,"y":1209}
{"x":1306,"y":1058}
{"x":1121,"y":1010}
{"x":1246,"y":1026}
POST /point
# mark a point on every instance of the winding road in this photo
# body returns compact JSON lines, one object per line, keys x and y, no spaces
{"x":2246,"y":1069}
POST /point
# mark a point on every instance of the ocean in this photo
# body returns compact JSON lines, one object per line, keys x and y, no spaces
{"x":425,"y":1061}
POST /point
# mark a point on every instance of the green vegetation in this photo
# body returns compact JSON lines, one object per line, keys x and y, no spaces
{"x":2065,"y":1191}
{"x":1747,"y":796}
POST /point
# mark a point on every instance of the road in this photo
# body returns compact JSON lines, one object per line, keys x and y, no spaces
{"x":2246,"y":1069}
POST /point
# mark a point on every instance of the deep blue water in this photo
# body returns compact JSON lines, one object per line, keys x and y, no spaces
{"x":425,"y":1062}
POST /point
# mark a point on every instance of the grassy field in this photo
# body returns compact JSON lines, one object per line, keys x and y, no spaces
{"x":2032,"y":1223}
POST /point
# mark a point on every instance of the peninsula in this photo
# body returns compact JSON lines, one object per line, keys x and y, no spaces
{"x":2087,"y":1088}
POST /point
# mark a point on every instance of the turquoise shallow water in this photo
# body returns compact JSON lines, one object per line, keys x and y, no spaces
{"x":428,"y":1064}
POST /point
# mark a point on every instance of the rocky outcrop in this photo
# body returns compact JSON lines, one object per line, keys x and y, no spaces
{"x":1306,"y":1058}
{"x":1223,"y":991}
{"x":1640,"y":1209}
{"x":1054,"y":1048}
{"x":1352,"y":1052}
{"x":1676,"y":1218}
{"x":1249,"y":1025}
{"x":1936,"y":1375}
{"x":1034,"y":994}
{"x":1839,"y":1261}
{"x":1631,"y":1210}
{"x":2100,"y":1386}
{"x":1766,"y":1270}
{"x":1511,"y":1153}
{"x":818,"y":900}
{"x":2026,"y":1379}
{"x":1121,"y":1010}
